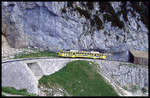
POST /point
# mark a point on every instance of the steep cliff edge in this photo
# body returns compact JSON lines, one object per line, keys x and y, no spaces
{"x":112,"y":26}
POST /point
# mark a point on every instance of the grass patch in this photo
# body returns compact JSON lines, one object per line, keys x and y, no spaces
{"x":37,"y":54}
{"x":12,"y":90}
{"x":79,"y":78}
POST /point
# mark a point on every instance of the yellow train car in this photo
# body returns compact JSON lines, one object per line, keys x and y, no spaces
{"x":82,"y":54}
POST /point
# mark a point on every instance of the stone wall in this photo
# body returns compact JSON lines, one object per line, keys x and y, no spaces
{"x":19,"y":75}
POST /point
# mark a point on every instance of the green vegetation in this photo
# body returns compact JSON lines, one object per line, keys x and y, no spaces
{"x":106,"y":40}
{"x":144,"y":90}
{"x":90,"y":5}
{"x":12,"y":90}
{"x":98,"y":22}
{"x":92,"y":22}
{"x":3,"y":95}
{"x":64,"y":10}
{"x":133,"y":88}
{"x":37,"y":54}
{"x":70,"y":4}
{"x":105,"y":33}
{"x":111,"y":15}
{"x":142,"y":9}
{"x":83,"y":12}
{"x":109,"y":34}
{"x":117,"y":37}
{"x":125,"y":87}
{"x":79,"y":78}
{"x":124,"y":11}
{"x":114,"y":19}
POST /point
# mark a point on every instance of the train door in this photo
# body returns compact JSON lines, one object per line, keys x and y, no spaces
{"x":73,"y":54}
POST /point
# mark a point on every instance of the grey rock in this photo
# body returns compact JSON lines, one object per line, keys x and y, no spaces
{"x":54,"y":26}
{"x":124,"y":74}
{"x":19,"y":76}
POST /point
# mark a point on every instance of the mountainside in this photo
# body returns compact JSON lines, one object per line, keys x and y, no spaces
{"x":109,"y":26}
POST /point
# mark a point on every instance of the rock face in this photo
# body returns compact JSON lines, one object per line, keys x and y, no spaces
{"x":25,"y":74}
{"x":19,"y":76}
{"x":124,"y":74}
{"x":112,"y":26}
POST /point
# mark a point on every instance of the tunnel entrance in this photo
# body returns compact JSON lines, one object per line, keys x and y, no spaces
{"x":35,"y":68}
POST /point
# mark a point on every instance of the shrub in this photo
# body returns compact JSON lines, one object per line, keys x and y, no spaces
{"x":63,"y":10}
{"x":144,"y":90}
{"x":12,"y":90}
{"x":83,"y":12}
{"x":90,"y":5}
{"x":98,"y":22}
{"x":133,"y":88}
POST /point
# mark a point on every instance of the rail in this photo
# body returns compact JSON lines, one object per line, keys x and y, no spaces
{"x":24,"y":59}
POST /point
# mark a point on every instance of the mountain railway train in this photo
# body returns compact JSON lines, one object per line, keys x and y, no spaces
{"x":83,"y":54}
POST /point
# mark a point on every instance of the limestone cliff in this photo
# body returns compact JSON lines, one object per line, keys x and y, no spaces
{"x":110,"y":26}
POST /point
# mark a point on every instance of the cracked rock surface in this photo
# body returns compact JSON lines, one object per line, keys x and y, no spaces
{"x":112,"y":26}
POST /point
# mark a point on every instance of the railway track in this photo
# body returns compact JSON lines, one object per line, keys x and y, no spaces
{"x":36,"y":58}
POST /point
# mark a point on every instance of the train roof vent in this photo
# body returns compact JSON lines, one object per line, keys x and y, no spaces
{"x":74,"y":50}
{"x":94,"y":52}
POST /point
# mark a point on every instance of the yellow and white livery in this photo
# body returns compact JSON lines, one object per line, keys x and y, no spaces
{"x":82,"y":54}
